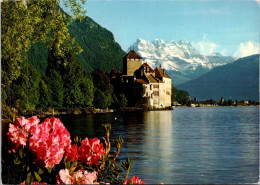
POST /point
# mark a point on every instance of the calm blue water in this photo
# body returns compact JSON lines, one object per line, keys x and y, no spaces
{"x":187,"y":145}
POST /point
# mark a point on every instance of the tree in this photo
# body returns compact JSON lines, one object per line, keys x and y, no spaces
{"x":24,"y":91}
{"x":24,"y":23}
{"x":87,"y":88}
{"x":103,"y":89}
{"x":230,"y":102}
{"x":180,"y":96}
{"x":44,"y":98}
{"x":55,"y":86}
{"x":27,"y":22}
{"x":77,"y":85}
{"x":122,"y":100}
{"x":119,"y":101}
{"x":102,"y":99}
{"x":134,"y":93}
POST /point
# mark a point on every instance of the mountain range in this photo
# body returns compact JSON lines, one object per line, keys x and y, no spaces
{"x":180,"y":59}
{"x":237,"y":81}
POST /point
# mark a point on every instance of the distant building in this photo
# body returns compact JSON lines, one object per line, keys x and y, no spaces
{"x":210,"y":102}
{"x":246,"y":102}
{"x":222,"y":100}
{"x":156,"y":81}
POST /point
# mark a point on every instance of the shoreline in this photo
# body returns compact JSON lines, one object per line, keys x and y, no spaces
{"x":88,"y":110}
{"x":91,"y":110}
{"x":216,"y":106}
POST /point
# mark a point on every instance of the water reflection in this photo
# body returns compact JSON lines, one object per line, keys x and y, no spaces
{"x":187,"y":145}
{"x":158,"y":141}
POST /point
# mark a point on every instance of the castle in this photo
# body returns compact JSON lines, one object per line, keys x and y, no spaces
{"x":156,"y":81}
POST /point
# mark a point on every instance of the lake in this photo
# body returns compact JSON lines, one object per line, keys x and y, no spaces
{"x":186,"y":145}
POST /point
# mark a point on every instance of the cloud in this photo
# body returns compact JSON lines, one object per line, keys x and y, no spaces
{"x":224,"y":52}
{"x":205,"y":47}
{"x":246,"y":49}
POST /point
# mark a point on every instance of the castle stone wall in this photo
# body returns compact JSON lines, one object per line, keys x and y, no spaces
{"x":132,"y":66}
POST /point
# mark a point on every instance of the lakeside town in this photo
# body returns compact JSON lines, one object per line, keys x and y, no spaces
{"x":214,"y":103}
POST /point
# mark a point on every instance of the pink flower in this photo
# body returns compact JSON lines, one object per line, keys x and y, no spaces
{"x":72,"y":152}
{"x":91,"y":151}
{"x":134,"y":180}
{"x":78,"y":177}
{"x":35,"y":182}
{"x":17,"y":137}
{"x":49,"y":142}
{"x":19,"y":131}
{"x":65,"y":177}
{"x":85,"y":177}
{"x":27,"y":124}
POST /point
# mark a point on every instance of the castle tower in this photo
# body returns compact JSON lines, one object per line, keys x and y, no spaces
{"x":131,"y":62}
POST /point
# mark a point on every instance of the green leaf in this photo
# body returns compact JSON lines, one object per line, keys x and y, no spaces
{"x":74,"y":164}
{"x":21,"y":153}
{"x":17,"y":161}
{"x":49,"y":169}
{"x":65,"y":158}
{"x":40,"y":171}
{"x":81,"y":166}
{"x":37,"y":176}
{"x":29,"y":178}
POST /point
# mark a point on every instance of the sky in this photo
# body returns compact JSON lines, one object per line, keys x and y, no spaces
{"x":230,"y":27}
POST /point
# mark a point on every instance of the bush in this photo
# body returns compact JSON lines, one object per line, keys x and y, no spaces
{"x":46,"y":154}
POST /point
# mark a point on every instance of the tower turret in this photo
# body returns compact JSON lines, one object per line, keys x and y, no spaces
{"x":131,"y":62}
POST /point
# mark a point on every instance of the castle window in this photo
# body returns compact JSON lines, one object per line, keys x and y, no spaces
{"x":146,"y":93}
{"x":155,"y":86}
{"x":152,"y":96}
{"x":151,"y":87}
{"x":156,"y":93}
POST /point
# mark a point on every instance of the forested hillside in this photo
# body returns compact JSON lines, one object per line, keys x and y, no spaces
{"x":99,"y":48}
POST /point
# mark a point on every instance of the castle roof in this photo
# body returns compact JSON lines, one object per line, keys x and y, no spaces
{"x":132,"y":55}
{"x":141,"y":81}
{"x":149,"y":69}
{"x":159,"y":72}
{"x":152,"y":79}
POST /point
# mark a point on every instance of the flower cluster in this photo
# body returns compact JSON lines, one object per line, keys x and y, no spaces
{"x":78,"y":177}
{"x":134,"y":180}
{"x":19,"y":131}
{"x":91,"y":151}
{"x":86,"y":162}
{"x":47,"y":140}
{"x":72,"y":153}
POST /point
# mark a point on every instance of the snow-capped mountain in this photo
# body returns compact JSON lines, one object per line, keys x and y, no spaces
{"x":181,"y":60}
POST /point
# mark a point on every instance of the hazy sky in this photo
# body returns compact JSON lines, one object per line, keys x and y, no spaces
{"x":227,"y":26}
